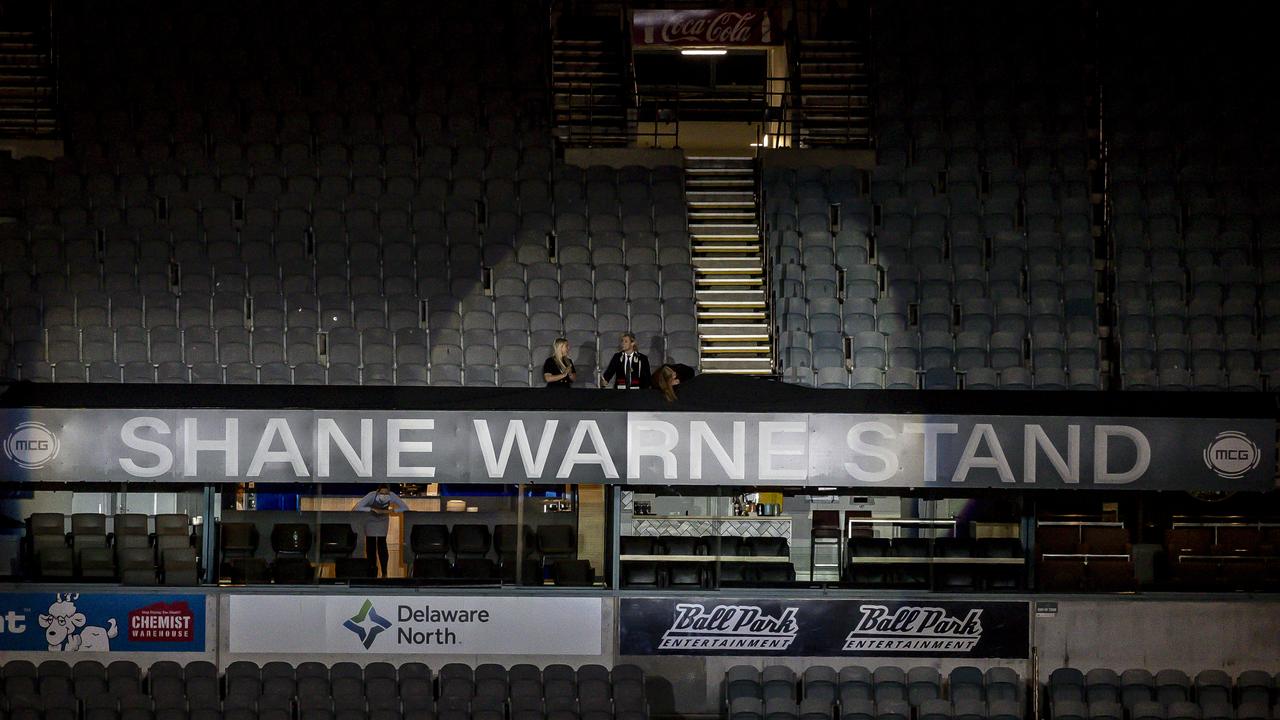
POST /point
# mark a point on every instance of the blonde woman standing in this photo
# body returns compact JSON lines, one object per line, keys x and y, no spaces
{"x":558,"y":370}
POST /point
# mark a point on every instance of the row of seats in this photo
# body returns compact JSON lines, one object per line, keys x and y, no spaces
{"x":57,"y":548}
{"x":1167,"y":695}
{"x":809,"y":709}
{"x":712,"y":545}
{"x":885,"y":683}
{"x":312,"y":690}
{"x":823,"y":693}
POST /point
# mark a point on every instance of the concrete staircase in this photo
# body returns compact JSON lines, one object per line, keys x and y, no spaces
{"x":27,"y":98}
{"x":834,"y":93}
{"x":588,"y":76}
{"x":734,"y":329}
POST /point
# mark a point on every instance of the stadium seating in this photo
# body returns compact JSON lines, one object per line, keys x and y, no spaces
{"x":1194,"y":206}
{"x":57,"y":690}
{"x":1167,"y":694}
{"x":56,"y":548}
{"x":966,"y":256}
{"x":325,"y":221}
{"x":856,"y":692}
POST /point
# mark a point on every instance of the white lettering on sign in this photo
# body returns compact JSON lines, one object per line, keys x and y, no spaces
{"x":290,"y":455}
{"x":397,"y":446}
{"x":192,"y":446}
{"x":327,"y":431}
{"x":575,"y":455}
{"x":129,"y":436}
{"x":496,"y":465}
{"x":1067,"y":468}
{"x":651,"y":438}
{"x":734,"y":464}
{"x":1102,"y":435}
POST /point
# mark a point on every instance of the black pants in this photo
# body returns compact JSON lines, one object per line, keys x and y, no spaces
{"x":376,"y":546}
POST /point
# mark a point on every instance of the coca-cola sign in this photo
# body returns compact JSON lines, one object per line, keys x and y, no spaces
{"x":712,"y":28}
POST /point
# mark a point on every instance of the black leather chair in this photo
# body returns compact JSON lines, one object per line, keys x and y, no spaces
{"x":292,"y":540}
{"x":432,"y":569}
{"x":475,"y":569}
{"x":353,"y":568}
{"x":640,"y":574}
{"x":429,"y":540}
{"x":572,"y":573}
{"x":470,"y":540}
{"x":337,"y":540}
{"x":292,"y":571}
{"x":557,"y":542}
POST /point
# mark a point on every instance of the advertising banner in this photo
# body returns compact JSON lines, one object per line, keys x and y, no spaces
{"x":754,"y":26}
{"x":917,"y":628}
{"x":821,"y":449}
{"x":415,"y":624}
{"x":101,"y":622}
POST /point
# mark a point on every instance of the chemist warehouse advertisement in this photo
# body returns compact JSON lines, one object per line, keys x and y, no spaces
{"x":417,"y":624}
{"x":101,"y":622}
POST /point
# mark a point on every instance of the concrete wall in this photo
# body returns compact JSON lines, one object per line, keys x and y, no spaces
{"x":1150,"y":632}
{"x":621,"y":157}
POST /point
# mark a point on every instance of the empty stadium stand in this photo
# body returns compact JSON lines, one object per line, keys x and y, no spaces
{"x":326,"y":222}
{"x":966,"y":256}
{"x":881,"y":693}
{"x":1165,"y":695}
{"x":57,"y":690}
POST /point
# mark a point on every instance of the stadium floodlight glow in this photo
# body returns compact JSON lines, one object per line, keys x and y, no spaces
{"x":704,"y":51}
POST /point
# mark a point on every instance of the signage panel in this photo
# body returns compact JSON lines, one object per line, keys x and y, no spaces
{"x":415,"y":624}
{"x":919,"y":628}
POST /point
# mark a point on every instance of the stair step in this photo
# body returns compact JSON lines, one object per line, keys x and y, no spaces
{"x":701,"y":283}
{"x":711,"y":296}
{"x":730,"y":331}
{"x":726,"y":248}
{"x":720,"y":266}
{"x":736,"y":315}
{"x":733,"y":366}
{"x":732,"y":304}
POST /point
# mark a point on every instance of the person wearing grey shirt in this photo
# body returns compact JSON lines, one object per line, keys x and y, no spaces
{"x":380,"y":504}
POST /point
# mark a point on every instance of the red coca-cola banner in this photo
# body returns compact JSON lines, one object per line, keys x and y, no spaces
{"x":715,"y":28}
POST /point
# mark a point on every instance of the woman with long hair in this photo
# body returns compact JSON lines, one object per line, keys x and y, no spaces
{"x":665,"y":382}
{"x":558,"y":370}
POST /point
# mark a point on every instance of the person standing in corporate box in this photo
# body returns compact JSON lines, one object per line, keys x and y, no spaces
{"x":380,"y":504}
{"x":629,"y":368}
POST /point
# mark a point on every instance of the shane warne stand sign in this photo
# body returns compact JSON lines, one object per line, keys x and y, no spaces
{"x":872,"y":450}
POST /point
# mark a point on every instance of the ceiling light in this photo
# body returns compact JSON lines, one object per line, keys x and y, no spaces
{"x":703,"y":51}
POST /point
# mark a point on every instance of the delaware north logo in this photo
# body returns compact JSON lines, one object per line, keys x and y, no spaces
{"x":1232,"y":455}
{"x":367,"y":624}
{"x":31,"y":445}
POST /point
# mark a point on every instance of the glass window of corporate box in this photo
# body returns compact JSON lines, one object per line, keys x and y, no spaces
{"x":139,"y":534}
{"x":699,"y":538}
{"x":432,"y":534}
{"x":151,"y":533}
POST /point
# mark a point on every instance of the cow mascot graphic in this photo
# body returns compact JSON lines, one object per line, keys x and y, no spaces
{"x":65,"y":631}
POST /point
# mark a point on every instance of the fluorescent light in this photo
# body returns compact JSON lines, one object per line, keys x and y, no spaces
{"x":703,"y":51}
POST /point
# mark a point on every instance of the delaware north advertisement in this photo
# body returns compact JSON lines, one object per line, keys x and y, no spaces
{"x":921,"y":628}
{"x":415,"y":624}
{"x":101,"y":622}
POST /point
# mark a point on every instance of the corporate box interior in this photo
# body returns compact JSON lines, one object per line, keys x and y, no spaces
{"x":898,"y":427}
